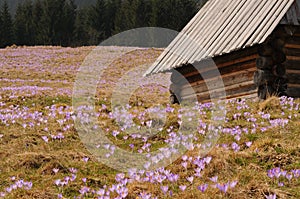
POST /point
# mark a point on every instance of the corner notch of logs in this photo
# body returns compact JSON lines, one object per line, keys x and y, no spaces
{"x":270,"y":77}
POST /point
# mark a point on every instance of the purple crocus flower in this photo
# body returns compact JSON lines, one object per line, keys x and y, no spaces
{"x":233,"y":184}
{"x":289,"y":176}
{"x":271,"y":196}
{"x":45,"y":138}
{"x":202,"y":188}
{"x":73,"y":170}
{"x":280,"y":184}
{"x":145,"y":195}
{"x":119,"y":177}
{"x":190,"y":179}
{"x":123,"y":192}
{"x":235,"y":147}
{"x":214,"y":179}
{"x":173,"y":177}
{"x":55,"y":170}
{"x":184,"y":164}
{"x":277,"y":172}
{"x":222,"y":187}
{"x":182,"y":187}
{"x":57,"y":182}
{"x":85,"y":159}
{"x":248,"y":144}
{"x":164,"y":189}
{"x":84,"y":190}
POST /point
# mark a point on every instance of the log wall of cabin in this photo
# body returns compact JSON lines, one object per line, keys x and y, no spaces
{"x":236,"y":70}
{"x":278,"y":64}
{"x":245,"y":72}
{"x":292,"y":51}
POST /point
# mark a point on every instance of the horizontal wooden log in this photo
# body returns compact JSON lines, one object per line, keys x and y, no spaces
{"x":294,"y":85}
{"x":248,"y":66}
{"x":245,"y":95}
{"x":242,"y":88}
{"x":243,"y":92}
{"x":233,"y":77}
{"x":293,"y":58}
{"x":292,"y":52}
{"x":292,"y":64}
{"x":293,"y":40}
{"x":216,"y":93}
{"x":293,"y":91}
{"x":292,"y":45}
{"x":293,"y":76}
{"x":205,"y":66}
{"x":264,"y":62}
{"x":216,"y":83}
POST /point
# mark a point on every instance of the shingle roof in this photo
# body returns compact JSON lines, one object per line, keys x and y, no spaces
{"x":223,"y":26}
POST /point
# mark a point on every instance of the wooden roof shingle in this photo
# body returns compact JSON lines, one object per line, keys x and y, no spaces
{"x":223,"y":26}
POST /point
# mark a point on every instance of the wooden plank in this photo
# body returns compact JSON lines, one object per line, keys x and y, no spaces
{"x":293,"y":58}
{"x":205,"y":65}
{"x":240,"y":54}
{"x":229,"y":79}
{"x":242,"y":26}
{"x":216,"y":33}
{"x":292,"y":64}
{"x":193,"y":79}
{"x":293,"y":40}
{"x":230,"y":90}
{"x":226,"y":29}
{"x":245,"y":95}
{"x":246,"y":92}
{"x":293,"y":72}
{"x":253,"y":29}
{"x":277,"y":16}
{"x":234,"y":27}
{"x":293,"y":78}
{"x":294,"y":85}
{"x":191,"y":44}
{"x":293,"y":92}
{"x":291,"y":45}
{"x":293,"y":52}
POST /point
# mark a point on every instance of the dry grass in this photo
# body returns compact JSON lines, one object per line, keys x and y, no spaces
{"x":25,"y":155}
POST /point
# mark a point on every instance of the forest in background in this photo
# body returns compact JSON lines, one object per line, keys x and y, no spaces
{"x":64,"y":23}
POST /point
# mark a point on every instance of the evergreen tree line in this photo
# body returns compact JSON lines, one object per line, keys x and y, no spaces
{"x":61,"y":22}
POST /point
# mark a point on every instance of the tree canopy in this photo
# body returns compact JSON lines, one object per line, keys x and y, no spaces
{"x":62,"y":22}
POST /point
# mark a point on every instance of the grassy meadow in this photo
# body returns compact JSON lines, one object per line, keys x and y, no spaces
{"x":42,"y":156}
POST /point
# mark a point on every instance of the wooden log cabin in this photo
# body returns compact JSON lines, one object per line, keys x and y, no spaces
{"x":254,"y":44}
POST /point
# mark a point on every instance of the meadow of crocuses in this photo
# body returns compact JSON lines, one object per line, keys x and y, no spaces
{"x":256,"y":155}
